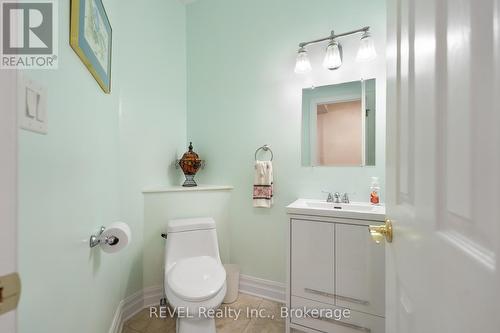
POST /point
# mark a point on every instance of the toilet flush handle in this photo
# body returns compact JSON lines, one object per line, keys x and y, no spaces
{"x":164,"y":236}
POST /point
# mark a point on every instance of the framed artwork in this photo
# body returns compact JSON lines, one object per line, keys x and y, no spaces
{"x":91,"y":38}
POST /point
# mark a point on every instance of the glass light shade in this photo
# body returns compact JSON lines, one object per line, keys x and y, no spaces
{"x":302,"y":65}
{"x":333,"y":57}
{"x":366,"y":50}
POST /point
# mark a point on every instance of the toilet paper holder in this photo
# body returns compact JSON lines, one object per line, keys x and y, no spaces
{"x":97,"y":239}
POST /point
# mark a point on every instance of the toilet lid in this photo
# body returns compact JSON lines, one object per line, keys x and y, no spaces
{"x":196,"y":278}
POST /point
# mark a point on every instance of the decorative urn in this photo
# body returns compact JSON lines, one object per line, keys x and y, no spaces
{"x":190,"y":163}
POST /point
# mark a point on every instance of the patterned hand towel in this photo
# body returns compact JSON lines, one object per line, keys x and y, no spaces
{"x":263,"y":184}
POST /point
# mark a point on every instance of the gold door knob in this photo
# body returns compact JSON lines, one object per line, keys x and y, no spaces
{"x":379,"y":232}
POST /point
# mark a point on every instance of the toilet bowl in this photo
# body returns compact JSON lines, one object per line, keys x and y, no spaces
{"x":195,"y":279}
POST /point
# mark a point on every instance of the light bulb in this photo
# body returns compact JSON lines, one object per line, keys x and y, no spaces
{"x":366,"y":50}
{"x":333,"y":57}
{"x":302,"y":65}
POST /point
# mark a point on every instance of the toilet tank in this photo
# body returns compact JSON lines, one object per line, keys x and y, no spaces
{"x":190,"y":238}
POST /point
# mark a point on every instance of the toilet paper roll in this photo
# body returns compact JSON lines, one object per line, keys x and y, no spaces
{"x":118,"y":235}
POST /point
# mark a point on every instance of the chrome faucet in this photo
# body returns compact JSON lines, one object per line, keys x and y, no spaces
{"x":337,"y":197}
{"x":332,"y":197}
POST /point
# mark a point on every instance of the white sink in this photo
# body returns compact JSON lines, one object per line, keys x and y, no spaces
{"x":353,"y":210}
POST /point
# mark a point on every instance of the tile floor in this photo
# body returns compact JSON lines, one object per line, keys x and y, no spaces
{"x":142,"y":323}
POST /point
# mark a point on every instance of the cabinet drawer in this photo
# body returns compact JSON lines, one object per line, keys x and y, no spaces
{"x":358,"y":322}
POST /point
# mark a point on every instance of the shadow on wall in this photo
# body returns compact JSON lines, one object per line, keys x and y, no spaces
{"x":95,"y":260}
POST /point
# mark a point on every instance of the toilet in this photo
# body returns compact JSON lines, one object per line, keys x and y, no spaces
{"x":195,"y":279}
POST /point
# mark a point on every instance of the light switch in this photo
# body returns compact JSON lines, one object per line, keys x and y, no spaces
{"x":40,"y":111}
{"x":32,"y":104}
{"x":32,"y":100}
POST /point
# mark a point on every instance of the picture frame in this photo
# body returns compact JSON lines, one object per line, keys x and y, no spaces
{"x":91,"y":38}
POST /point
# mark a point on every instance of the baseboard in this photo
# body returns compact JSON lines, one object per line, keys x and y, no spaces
{"x":271,"y":290}
{"x":151,"y":296}
{"x":133,"y":304}
{"x":117,"y":323}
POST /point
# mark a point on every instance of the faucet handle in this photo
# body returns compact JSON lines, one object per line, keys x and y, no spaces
{"x":345,"y":196}
{"x":330,"y":196}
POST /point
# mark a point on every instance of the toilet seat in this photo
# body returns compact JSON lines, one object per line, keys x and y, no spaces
{"x":196,"y":279}
{"x":193,"y":308}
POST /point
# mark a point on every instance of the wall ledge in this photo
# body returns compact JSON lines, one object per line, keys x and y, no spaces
{"x":164,"y":189}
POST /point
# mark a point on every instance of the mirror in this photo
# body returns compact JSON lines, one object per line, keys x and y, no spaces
{"x":338,"y":124}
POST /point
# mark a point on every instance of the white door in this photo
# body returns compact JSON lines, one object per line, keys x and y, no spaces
{"x":443,"y":176}
{"x":8,"y":185}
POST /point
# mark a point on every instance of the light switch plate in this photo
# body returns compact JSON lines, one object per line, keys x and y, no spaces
{"x":32,"y":105}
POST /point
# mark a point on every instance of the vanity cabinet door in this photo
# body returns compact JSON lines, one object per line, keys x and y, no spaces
{"x":312,"y":260}
{"x":360,"y":270}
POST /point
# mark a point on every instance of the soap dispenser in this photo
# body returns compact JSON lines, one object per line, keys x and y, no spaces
{"x":374,"y":191}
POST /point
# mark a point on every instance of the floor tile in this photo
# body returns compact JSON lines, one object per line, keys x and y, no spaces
{"x":272,"y":309}
{"x":265,"y":326}
{"x":229,"y":325}
{"x":273,"y":323}
{"x":129,"y":330}
{"x":140,"y":321}
{"x":161,"y":326}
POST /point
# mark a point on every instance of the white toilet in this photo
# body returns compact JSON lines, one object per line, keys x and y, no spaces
{"x":195,"y":280}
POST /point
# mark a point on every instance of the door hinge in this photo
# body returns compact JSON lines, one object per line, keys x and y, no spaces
{"x":10,"y":292}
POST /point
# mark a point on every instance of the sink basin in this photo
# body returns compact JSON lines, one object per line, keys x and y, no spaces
{"x":353,"y":206}
{"x":353,"y":210}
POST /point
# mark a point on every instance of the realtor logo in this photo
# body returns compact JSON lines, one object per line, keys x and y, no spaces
{"x":29,"y":34}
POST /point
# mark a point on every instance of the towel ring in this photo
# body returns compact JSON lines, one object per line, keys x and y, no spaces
{"x":264,"y":148}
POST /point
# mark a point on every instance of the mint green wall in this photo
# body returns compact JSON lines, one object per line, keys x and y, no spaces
{"x":101,"y":150}
{"x":243,"y":93}
{"x":152,"y":109}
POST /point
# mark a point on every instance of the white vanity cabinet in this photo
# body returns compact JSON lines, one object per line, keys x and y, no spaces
{"x":333,"y":265}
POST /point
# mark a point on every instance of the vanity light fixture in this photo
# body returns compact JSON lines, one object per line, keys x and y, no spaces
{"x":302,"y":65}
{"x":366,"y":50}
{"x":333,"y":58}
